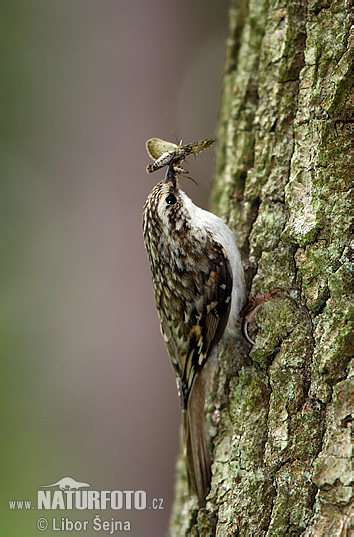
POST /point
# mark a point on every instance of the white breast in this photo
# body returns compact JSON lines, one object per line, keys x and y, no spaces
{"x":221,"y":233}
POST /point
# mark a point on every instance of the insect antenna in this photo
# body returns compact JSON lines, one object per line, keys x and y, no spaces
{"x":191,"y":178}
{"x":179,"y":143}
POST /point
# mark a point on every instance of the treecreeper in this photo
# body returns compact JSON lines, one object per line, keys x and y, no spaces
{"x":199,"y":290}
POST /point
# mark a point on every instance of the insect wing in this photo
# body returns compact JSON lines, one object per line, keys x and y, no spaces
{"x":198,"y":147}
{"x":157,"y":147}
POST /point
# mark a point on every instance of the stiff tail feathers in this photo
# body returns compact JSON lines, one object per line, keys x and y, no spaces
{"x":196,"y":449}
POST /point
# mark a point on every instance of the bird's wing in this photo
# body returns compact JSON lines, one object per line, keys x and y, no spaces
{"x":204,"y":298}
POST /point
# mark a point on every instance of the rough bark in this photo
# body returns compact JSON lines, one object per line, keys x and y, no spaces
{"x":278,"y":413}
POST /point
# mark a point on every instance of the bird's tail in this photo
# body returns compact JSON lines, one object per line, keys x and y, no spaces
{"x":196,"y":448}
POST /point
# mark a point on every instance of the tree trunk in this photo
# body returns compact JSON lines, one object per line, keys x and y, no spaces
{"x":278,"y":412}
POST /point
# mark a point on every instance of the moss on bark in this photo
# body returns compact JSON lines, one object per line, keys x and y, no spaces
{"x":279,"y":411}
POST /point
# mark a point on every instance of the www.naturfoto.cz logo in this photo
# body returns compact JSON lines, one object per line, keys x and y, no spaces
{"x":73,"y":494}
{"x":69,"y":494}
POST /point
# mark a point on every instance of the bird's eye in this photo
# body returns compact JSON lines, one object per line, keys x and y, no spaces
{"x":171,"y":199}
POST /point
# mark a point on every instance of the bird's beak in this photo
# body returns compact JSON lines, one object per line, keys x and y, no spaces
{"x":171,"y":175}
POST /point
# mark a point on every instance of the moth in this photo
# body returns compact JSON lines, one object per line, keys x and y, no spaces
{"x":164,"y":153}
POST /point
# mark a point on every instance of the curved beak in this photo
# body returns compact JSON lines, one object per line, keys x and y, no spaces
{"x":171,"y":174}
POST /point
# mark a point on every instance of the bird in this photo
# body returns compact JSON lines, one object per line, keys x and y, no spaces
{"x":199,"y":290}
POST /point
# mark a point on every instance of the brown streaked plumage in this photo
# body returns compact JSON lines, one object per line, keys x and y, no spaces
{"x":190,"y":253}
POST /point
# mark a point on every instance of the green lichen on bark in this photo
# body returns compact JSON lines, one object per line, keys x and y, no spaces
{"x":279,"y":411}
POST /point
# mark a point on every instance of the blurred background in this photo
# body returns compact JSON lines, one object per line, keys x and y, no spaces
{"x":87,"y":386}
